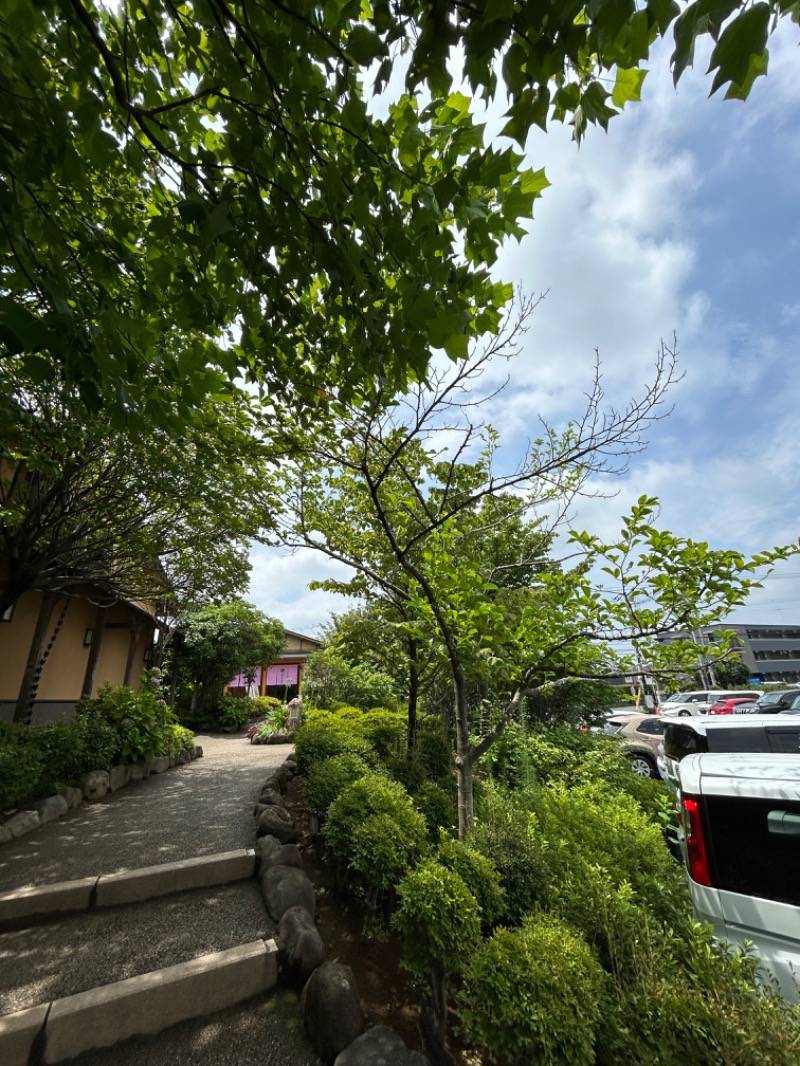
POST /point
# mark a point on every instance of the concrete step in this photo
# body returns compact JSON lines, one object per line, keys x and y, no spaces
{"x":25,"y":906}
{"x":146,"y":1004}
{"x":77,"y":952}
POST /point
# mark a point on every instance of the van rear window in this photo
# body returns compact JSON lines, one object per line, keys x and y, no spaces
{"x":749,"y":858}
{"x":763,"y":741}
{"x":680,"y":741}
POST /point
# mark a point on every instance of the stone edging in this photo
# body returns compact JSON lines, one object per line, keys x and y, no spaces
{"x":137,"y":1006}
{"x":92,"y":786}
{"x":329,"y":1001}
{"x":24,"y":906}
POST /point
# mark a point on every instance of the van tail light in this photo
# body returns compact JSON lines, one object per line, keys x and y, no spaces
{"x":656,"y":710}
{"x":696,"y":853}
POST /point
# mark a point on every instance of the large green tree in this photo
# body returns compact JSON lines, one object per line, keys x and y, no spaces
{"x":213,"y":643}
{"x":390,"y":481}
{"x":195,"y":191}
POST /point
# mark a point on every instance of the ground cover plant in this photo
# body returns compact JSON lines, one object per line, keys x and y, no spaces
{"x":117,"y":726}
{"x":560,"y":931}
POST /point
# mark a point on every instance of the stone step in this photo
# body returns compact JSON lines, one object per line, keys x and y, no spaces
{"x":77,"y":952}
{"x":53,"y":1032}
{"x":24,"y":906}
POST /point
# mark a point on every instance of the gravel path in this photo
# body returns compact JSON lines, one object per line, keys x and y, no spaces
{"x":202,"y":808}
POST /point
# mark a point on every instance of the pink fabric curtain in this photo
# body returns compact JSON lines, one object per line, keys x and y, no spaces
{"x":282,"y":675}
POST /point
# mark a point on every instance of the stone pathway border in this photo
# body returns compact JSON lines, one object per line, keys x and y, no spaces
{"x":26,"y":905}
{"x":143,"y":1005}
{"x":92,"y":786}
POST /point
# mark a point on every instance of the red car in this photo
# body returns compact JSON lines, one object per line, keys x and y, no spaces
{"x":729,"y":706}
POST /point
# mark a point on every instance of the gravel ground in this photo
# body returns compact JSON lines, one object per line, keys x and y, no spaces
{"x":76,"y":953}
{"x":202,"y":808}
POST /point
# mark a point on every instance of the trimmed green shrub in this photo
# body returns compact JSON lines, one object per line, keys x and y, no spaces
{"x":479,"y":874}
{"x":234,"y":711}
{"x":265,"y":705}
{"x":438,"y":808}
{"x":328,"y":778}
{"x":533,"y":995}
{"x":355,"y":838}
{"x":437,"y":917}
{"x":175,"y":739}
{"x":322,"y":737}
{"x":385,"y":730}
{"x":20,"y":767}
{"x":501,"y":834}
{"x":433,"y":750}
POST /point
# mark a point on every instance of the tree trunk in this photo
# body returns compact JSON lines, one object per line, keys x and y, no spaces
{"x":30,"y":680}
{"x":94,"y":650}
{"x":466,"y":810}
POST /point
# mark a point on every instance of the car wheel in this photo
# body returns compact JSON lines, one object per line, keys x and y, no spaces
{"x":642,"y":766}
{"x":684,"y":714}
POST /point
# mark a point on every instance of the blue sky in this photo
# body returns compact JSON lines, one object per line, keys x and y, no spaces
{"x":683,"y":219}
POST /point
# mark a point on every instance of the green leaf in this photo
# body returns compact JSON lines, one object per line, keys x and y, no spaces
{"x":628,"y":86}
{"x":364,"y":46}
{"x":744,"y":38}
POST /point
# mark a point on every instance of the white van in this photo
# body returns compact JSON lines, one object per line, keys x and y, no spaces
{"x":741,"y":820}
{"x":683,"y":704}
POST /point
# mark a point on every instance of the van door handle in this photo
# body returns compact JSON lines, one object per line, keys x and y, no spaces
{"x":784,"y":823}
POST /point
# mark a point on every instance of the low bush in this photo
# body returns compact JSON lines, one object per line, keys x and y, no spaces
{"x":502,"y":834}
{"x":438,"y":808}
{"x":328,"y":778}
{"x":175,"y":739}
{"x":233,"y":712}
{"x":265,"y":706}
{"x":439,"y":921}
{"x":480,"y":876}
{"x":533,"y":995}
{"x":322,"y":736}
{"x":20,"y":767}
{"x":373,"y":832}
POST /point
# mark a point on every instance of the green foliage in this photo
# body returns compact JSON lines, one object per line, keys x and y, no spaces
{"x":437,"y":806}
{"x":330,"y":681}
{"x":322,"y":737}
{"x":328,"y":778}
{"x":480,"y":876}
{"x":266,"y":705}
{"x":501,"y":834}
{"x":138,"y":720}
{"x":216,"y":642}
{"x":234,"y":711}
{"x":373,"y":831}
{"x":533,"y":995}
{"x":175,"y":739}
{"x":117,"y":726}
{"x":434,"y":751}
{"x":20,"y":767}
{"x":438,"y":918}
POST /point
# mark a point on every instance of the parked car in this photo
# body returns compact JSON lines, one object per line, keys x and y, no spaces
{"x":684,"y":704}
{"x":741,"y":823}
{"x":640,"y":735}
{"x":751,"y":734}
{"x":730,"y":705}
{"x":773,"y":702}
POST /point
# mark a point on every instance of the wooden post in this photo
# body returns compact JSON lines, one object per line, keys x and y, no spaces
{"x":94,"y":650}
{"x":136,"y":627}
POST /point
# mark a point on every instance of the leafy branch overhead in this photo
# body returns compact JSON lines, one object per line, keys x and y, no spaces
{"x":195,"y":192}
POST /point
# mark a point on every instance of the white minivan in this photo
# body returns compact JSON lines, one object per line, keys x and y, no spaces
{"x":741,"y":821}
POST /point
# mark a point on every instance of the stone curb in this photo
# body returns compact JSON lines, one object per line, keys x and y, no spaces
{"x":138,"y":1006}
{"x":25,"y":905}
{"x":52,"y":807}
